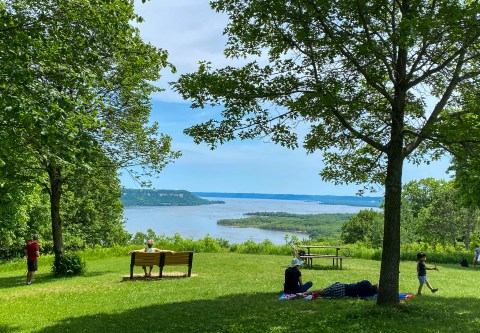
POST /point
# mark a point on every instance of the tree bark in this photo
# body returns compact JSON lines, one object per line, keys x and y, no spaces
{"x":55,"y":196}
{"x":389,"y":272}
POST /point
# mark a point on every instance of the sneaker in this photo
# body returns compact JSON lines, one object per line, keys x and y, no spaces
{"x":434,"y":290}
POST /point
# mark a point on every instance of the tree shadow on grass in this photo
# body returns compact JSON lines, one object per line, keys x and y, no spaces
{"x":40,"y":278}
{"x":8,"y":329}
{"x":262,"y":312}
{"x":19,"y":280}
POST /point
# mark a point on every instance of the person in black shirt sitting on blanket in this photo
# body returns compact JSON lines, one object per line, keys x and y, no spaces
{"x":293,"y":279}
{"x":338,"y":290}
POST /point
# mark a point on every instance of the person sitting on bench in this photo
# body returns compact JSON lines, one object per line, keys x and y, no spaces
{"x":150,"y":249}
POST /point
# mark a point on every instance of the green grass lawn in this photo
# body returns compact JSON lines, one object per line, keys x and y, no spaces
{"x":231,"y":293}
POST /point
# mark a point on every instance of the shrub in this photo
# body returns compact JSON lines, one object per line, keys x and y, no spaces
{"x":70,"y":264}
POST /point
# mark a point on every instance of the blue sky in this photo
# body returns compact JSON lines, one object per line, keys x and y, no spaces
{"x":190,"y":31}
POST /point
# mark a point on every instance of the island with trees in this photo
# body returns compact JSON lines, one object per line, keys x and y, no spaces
{"x":316,"y":226}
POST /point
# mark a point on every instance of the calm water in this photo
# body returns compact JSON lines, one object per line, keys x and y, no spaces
{"x":198,"y":221}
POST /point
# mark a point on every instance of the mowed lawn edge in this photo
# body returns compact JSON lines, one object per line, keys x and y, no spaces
{"x":231,"y":292}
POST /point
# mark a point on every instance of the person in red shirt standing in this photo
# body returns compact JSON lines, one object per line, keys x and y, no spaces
{"x":32,"y":252}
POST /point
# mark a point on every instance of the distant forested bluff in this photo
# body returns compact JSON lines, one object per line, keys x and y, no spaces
{"x":321,"y":199}
{"x":149,"y":197}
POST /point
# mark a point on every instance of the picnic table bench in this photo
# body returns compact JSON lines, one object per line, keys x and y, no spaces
{"x":308,"y":256}
{"x":161,"y":259}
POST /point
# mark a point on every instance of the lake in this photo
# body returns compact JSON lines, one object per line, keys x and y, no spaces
{"x":198,"y":221}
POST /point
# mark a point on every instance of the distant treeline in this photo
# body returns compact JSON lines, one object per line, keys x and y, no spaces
{"x":149,"y":197}
{"x":314,"y":225}
{"x":322,"y":199}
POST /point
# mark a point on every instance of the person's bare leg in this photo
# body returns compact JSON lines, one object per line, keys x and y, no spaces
{"x":419,"y":292}
{"x":433,"y":290}
{"x":317,"y":291}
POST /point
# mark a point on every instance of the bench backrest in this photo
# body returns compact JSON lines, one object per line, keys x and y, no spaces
{"x":176,"y":259}
{"x":145,"y":259}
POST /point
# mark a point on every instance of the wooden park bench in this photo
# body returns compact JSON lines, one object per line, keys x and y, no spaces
{"x":161,"y":259}
{"x":308,"y":257}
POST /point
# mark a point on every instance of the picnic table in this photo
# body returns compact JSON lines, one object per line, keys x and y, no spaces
{"x":336,"y":258}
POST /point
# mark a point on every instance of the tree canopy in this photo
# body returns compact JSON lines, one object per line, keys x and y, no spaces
{"x":373,"y":82}
{"x":75,"y":82}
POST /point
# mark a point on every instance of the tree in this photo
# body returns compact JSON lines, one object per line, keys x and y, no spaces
{"x":373,"y":80}
{"x":443,"y":220}
{"x":92,"y":210}
{"x":366,"y":226}
{"x":421,"y":194}
{"x":467,"y":185}
{"x":440,"y":210}
{"x":76,"y":83}
{"x":22,"y":214}
{"x":409,"y":225}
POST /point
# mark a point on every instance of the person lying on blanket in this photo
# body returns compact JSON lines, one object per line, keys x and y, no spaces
{"x":293,"y":278}
{"x":338,"y":290}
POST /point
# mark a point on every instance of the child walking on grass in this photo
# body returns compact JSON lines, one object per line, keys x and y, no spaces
{"x":422,"y":273}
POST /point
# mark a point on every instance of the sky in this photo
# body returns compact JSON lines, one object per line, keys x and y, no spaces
{"x":191,"y":32}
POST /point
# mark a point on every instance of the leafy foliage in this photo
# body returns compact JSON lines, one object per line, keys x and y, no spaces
{"x":70,"y":264}
{"x":75,"y":82}
{"x":366,"y":227}
{"x":23,"y":213}
{"x":434,"y":212}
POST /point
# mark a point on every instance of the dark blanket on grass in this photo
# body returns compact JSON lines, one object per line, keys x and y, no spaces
{"x":314,"y":296}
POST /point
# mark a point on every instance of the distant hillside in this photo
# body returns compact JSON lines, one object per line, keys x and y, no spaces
{"x":149,"y":197}
{"x":324,"y":199}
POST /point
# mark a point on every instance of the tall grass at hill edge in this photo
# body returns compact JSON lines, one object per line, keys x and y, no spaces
{"x":435,"y":253}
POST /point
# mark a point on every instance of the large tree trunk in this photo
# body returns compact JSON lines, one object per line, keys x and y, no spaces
{"x":55,"y":196}
{"x":389,"y":272}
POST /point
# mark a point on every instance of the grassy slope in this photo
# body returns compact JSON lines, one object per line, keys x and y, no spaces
{"x":232,"y":293}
